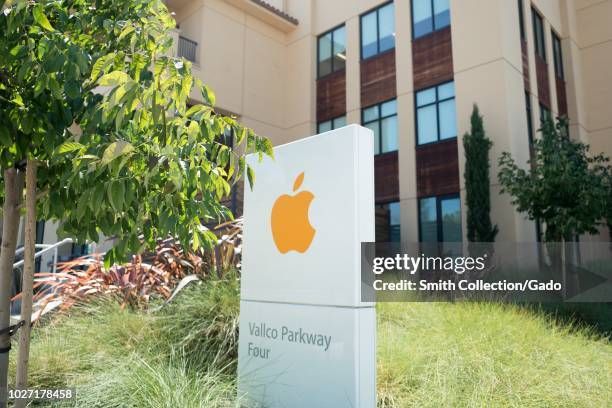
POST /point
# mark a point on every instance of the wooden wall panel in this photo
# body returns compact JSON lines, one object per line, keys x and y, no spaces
{"x":381,"y":222}
{"x":386,"y":177}
{"x":378,"y":79}
{"x":331,"y":96}
{"x":542,"y":77}
{"x":561,"y":96}
{"x":437,"y":168}
{"x":432,"y":59}
{"x":525,"y":65}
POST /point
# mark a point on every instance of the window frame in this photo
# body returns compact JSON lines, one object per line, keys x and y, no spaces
{"x":538,"y":22}
{"x":433,"y":21}
{"x":331,"y":30}
{"x":557,"y":55}
{"x":332,"y":120}
{"x":437,"y":103}
{"x":361,"y":16}
{"x":439,"y":226}
{"x":379,"y":120}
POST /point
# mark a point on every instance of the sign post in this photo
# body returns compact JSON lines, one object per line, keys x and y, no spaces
{"x":306,"y":338}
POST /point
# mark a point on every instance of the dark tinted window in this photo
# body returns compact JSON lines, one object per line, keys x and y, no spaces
{"x":544,"y":114}
{"x":529,"y":120}
{"x":331,"y":51}
{"x":378,"y":31}
{"x":382,"y":120}
{"x":558,"y":55}
{"x":435,"y":113}
{"x":331,"y":124}
{"x":538,"y":34}
{"x":440,"y":219}
{"x":429,"y":16}
{"x":388,"y":222}
{"x":521,"y":19}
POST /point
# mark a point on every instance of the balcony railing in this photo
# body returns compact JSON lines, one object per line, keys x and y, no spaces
{"x":187,"y":49}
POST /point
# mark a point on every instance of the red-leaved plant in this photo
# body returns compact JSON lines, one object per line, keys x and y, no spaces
{"x":133,"y":284}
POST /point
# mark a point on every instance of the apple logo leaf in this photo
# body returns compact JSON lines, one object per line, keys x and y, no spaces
{"x":298,"y":181}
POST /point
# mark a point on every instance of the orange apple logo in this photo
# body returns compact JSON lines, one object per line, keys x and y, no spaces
{"x":291,"y":228}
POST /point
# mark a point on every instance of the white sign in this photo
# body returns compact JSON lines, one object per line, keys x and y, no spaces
{"x":306,"y":338}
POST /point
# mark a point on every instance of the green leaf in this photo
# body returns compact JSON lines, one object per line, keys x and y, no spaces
{"x":116,"y":149}
{"x":40,"y":85}
{"x":196,"y":240}
{"x":5,"y":137}
{"x":193,"y":130}
{"x":19,"y":51}
{"x":97,"y":198}
{"x":67,"y":147}
{"x":72,"y":89}
{"x":54,"y":87}
{"x":195,"y":109}
{"x":109,"y":259}
{"x":251,"y":176}
{"x":82,"y":205}
{"x":23,"y":70}
{"x":116,"y":193}
{"x":208,"y":95}
{"x":54,"y":63}
{"x":127,"y":30}
{"x":81,"y":60}
{"x":41,"y":19}
{"x":18,"y":100}
{"x":114,"y":78}
{"x":100,"y":65}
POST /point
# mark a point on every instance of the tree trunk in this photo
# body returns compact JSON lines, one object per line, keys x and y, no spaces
{"x":13,"y":189}
{"x":27,"y":280}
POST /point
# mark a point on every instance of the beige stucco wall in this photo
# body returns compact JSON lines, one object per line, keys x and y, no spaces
{"x":267,"y":76}
{"x":490,"y":75}
{"x":594,"y":26}
{"x":257,"y":71}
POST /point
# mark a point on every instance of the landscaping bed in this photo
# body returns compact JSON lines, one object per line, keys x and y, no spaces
{"x":429,"y":354}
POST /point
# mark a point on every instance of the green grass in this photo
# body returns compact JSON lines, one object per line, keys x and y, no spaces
{"x":429,"y":355}
{"x":182,"y":356}
{"x":472,"y":355}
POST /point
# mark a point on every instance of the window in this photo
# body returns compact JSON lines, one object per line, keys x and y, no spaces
{"x":558,"y":56}
{"x":521,"y":19}
{"x":382,"y":120}
{"x":529,"y":120}
{"x":435,"y":113}
{"x":538,"y":34}
{"x":378,"y":31}
{"x":544,"y":114}
{"x":331,"y":124}
{"x":440,"y":219}
{"x":388,"y":222}
{"x":429,"y":16}
{"x":331,"y":51}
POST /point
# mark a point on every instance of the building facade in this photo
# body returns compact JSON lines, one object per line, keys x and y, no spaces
{"x":410,"y":70}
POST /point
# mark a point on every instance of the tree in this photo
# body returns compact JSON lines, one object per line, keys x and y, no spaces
{"x":89,"y":93}
{"x":564,"y":186}
{"x":477,"y":182}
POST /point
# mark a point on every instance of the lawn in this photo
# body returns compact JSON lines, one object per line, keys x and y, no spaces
{"x":429,"y":354}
